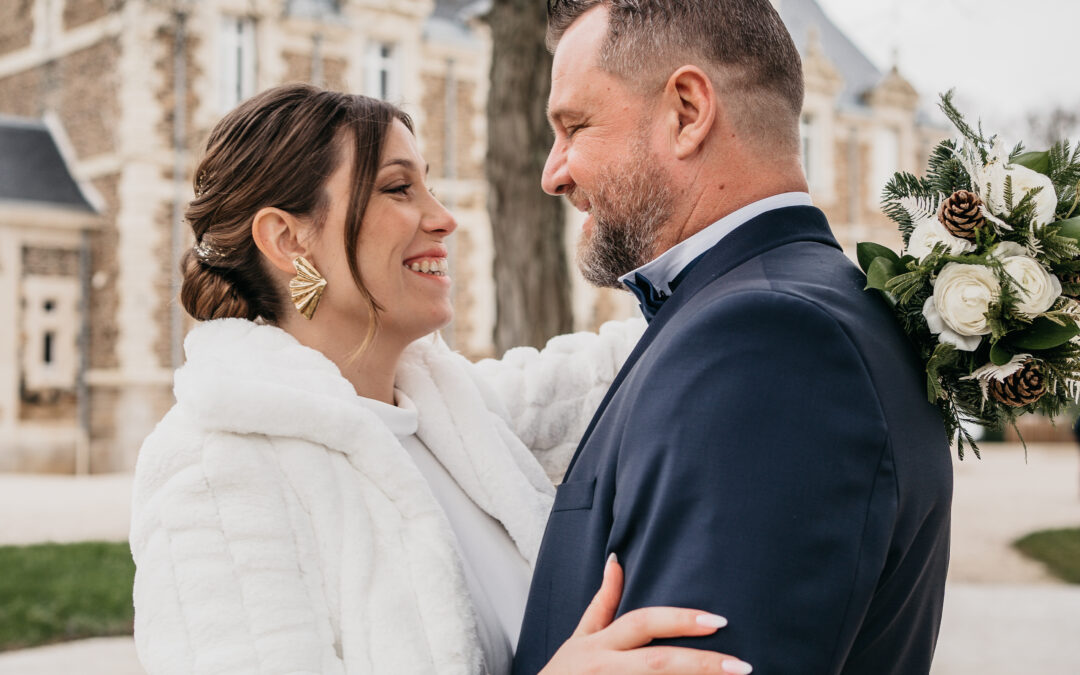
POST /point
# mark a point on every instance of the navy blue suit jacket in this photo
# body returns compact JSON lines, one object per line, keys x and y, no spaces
{"x":767,"y":453}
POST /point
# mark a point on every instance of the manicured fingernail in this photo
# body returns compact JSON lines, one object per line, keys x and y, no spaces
{"x":612,"y":558}
{"x":736,"y":667}
{"x":711,"y":620}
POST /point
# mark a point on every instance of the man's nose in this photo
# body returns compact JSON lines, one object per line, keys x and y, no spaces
{"x":556,"y":179}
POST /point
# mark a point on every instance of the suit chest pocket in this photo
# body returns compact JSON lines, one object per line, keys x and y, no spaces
{"x":575,"y":495}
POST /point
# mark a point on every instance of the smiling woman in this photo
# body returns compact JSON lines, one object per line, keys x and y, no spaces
{"x":331,"y":493}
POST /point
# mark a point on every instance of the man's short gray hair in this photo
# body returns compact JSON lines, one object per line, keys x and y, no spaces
{"x":742,"y":44}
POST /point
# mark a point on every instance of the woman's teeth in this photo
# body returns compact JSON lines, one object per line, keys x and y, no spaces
{"x":437,"y":267}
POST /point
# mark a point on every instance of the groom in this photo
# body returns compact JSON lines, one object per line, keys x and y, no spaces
{"x":767,"y":452}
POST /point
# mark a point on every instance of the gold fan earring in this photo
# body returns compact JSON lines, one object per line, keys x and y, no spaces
{"x":306,"y":287}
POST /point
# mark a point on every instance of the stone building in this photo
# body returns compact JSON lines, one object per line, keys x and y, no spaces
{"x":136,"y":86}
{"x":46,"y":221}
{"x":117,"y":75}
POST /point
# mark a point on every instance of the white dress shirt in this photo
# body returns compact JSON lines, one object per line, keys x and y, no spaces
{"x":662,"y":270}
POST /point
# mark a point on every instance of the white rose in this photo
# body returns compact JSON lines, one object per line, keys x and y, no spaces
{"x":956,"y":312}
{"x":930,"y":232}
{"x":1037,"y":289}
{"x":1024,"y":180}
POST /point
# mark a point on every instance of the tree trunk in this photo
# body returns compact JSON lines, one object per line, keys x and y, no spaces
{"x":532,"y":283}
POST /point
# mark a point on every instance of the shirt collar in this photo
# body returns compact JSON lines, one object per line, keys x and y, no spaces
{"x":661,"y":271}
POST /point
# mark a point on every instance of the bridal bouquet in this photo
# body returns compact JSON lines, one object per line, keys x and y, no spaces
{"x":986,"y":285}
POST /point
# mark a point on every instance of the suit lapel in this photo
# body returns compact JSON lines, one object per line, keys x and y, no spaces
{"x":768,"y":231}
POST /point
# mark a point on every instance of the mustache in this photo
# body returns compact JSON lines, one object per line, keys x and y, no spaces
{"x":578,"y":201}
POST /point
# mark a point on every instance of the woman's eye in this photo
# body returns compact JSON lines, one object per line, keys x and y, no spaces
{"x":399,"y":189}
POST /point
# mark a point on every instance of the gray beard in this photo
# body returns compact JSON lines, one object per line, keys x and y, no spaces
{"x":629,"y":212}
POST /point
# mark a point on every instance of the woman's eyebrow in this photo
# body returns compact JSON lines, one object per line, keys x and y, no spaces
{"x":407,"y":163}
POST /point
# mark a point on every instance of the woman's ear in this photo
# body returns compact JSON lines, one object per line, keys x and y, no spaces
{"x":690,"y":94}
{"x":277,"y":234}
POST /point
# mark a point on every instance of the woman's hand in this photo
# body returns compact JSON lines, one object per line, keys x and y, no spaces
{"x":600,"y":645}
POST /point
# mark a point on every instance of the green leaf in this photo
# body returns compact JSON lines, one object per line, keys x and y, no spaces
{"x":881,"y":270}
{"x":999,"y":355}
{"x":1036,"y":161}
{"x":868,"y":251}
{"x":1044,"y":334}
{"x":944,"y":355}
{"x":1069,"y":228}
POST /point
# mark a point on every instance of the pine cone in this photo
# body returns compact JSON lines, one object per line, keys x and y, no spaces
{"x":1070,"y":278}
{"x":961,"y":214}
{"x":1023,"y":387}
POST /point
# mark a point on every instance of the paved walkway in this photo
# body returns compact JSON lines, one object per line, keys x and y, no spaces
{"x":64,"y":508}
{"x":1003,"y":613}
{"x":101,"y":656}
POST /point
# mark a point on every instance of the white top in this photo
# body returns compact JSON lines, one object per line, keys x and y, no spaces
{"x":496,"y":573}
{"x":665,"y":267}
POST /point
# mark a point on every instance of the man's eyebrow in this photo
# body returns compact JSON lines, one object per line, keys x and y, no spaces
{"x":563,"y":116}
{"x":407,"y":163}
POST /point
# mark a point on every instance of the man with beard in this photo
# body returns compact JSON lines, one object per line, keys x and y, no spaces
{"x":767,"y":452}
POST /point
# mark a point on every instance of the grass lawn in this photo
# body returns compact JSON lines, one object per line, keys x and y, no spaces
{"x":56,"y":592}
{"x":1058,"y":549}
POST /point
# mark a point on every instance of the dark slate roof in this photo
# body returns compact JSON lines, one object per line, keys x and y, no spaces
{"x":859,"y":73}
{"x":32,"y":168}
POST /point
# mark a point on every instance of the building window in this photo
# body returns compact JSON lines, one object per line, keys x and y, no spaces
{"x":313,"y":9}
{"x":237,"y":61}
{"x":50,"y":324}
{"x":885,"y":162}
{"x":47,"y":348}
{"x":809,"y":156}
{"x":381,"y":71}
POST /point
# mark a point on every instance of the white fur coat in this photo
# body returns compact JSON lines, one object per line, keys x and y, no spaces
{"x":279,"y":526}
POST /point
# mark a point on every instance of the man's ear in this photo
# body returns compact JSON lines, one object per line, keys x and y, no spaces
{"x":689,"y":93}
{"x":277,"y":234}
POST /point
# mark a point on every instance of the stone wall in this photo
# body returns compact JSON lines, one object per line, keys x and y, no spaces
{"x":166,"y":94}
{"x":103,"y":402}
{"x":297,"y":67}
{"x":334,"y":74}
{"x":88,"y":98}
{"x":433,"y":102}
{"x":50,"y":261}
{"x":20,"y":94}
{"x":163,"y":286}
{"x":104,"y":292}
{"x":80,"y":12}
{"x":16,"y":25}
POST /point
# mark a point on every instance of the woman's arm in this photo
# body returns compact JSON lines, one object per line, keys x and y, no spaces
{"x":549,"y":396}
{"x":220,"y":584}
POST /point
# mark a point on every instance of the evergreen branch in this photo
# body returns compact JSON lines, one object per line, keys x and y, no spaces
{"x":1076,"y":201}
{"x":957,"y":118}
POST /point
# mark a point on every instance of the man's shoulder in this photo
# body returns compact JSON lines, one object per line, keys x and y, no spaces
{"x":809,"y":273}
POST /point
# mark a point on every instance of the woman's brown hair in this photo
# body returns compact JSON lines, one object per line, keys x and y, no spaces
{"x":276,"y":149}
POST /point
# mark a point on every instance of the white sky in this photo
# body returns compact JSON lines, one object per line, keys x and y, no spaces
{"x":1005,"y":57}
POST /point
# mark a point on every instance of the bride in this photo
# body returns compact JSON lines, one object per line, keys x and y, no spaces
{"x":335,"y":490}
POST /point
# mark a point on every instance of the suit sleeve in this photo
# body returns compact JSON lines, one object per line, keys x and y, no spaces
{"x":218,"y":584}
{"x":755,"y":482}
{"x":549,"y":396}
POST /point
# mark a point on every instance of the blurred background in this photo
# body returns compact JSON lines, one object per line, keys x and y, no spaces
{"x":105,"y":106}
